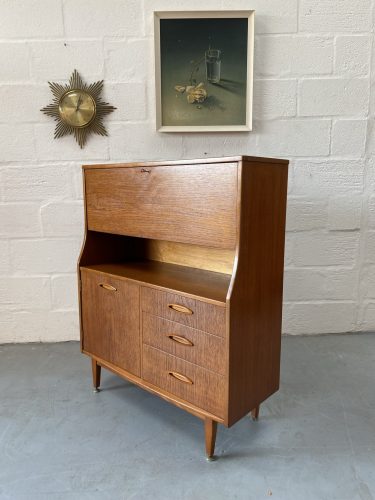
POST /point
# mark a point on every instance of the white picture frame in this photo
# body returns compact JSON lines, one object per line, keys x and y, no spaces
{"x":245,"y":123}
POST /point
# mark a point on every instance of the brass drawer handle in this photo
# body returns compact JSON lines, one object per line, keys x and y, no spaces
{"x":181,"y":377}
{"x":108,"y":287}
{"x":179,"y":308}
{"x":181,"y":340}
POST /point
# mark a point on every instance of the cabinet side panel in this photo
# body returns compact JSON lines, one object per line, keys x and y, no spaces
{"x":80,"y":260}
{"x":255,"y":304}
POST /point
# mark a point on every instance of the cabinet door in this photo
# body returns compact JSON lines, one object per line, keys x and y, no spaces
{"x":194,"y":204}
{"x":110,"y":320}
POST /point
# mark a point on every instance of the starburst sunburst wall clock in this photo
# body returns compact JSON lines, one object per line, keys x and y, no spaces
{"x":78,"y":108}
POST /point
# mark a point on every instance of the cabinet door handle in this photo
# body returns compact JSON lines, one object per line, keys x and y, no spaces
{"x":179,"y":308}
{"x":181,"y":377}
{"x":108,"y":287}
{"x":181,"y":340}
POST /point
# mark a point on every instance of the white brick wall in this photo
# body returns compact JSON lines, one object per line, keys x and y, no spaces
{"x":274,"y":99}
{"x":326,"y":249}
{"x":53,"y":61}
{"x":351,"y":56}
{"x":348,"y":138}
{"x":345,"y":213}
{"x":333,"y":96}
{"x":314,"y":103}
{"x":44,"y":256}
{"x":316,"y":178}
{"x":296,"y":55}
{"x":31,"y":19}
{"x":14,"y":62}
{"x":113,"y":18}
{"x":64,"y":292}
{"x":304,"y":214}
{"x":323,"y":316}
{"x":340,"y":15}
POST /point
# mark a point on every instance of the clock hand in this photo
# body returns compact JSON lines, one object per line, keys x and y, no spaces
{"x":78,"y":102}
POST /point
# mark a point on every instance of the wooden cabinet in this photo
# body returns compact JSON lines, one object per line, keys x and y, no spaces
{"x":180,"y":279}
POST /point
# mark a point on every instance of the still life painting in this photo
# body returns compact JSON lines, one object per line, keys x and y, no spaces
{"x":204,"y":70}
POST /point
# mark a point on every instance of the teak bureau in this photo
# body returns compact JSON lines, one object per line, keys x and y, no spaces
{"x":181,"y":277}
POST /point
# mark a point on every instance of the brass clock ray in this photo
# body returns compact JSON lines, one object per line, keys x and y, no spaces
{"x":78,"y":108}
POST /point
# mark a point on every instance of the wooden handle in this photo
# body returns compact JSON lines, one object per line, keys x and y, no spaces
{"x":181,"y":309}
{"x":181,"y":377}
{"x":108,"y":287}
{"x":181,"y":340}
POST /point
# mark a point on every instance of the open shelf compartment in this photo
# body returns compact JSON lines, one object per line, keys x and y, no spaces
{"x":189,"y":281}
{"x":195,"y":271}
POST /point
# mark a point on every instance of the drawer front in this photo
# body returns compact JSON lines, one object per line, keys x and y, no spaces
{"x":175,"y":307}
{"x":184,"y":203}
{"x":184,"y":342}
{"x":192,"y":383}
{"x":110,"y":320}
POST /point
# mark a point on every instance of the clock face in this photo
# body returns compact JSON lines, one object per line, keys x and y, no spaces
{"x":77,"y":108}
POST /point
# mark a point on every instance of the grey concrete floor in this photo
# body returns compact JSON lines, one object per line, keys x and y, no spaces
{"x":315,"y":438}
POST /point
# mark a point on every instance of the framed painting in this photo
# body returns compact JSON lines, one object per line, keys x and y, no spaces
{"x":204,"y":70}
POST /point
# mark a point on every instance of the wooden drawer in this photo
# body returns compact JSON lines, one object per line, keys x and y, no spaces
{"x":110,"y":319}
{"x":175,"y":307}
{"x":165,"y":203}
{"x":184,"y":342}
{"x":192,"y":383}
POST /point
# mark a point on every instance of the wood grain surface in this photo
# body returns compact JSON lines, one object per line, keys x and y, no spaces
{"x":207,"y":285}
{"x":210,"y":429}
{"x":255,"y":304}
{"x":211,"y":259}
{"x":165,"y":203}
{"x":206,"y":317}
{"x":207,"y":236}
{"x":111,"y":323}
{"x":207,"y":351}
{"x":207,"y":390}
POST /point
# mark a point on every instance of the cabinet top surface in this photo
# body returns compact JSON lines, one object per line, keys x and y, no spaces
{"x":224,"y":159}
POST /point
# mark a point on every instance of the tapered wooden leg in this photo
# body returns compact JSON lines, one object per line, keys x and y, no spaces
{"x":210,"y":428}
{"x":96,"y":370}
{"x":255,"y":413}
